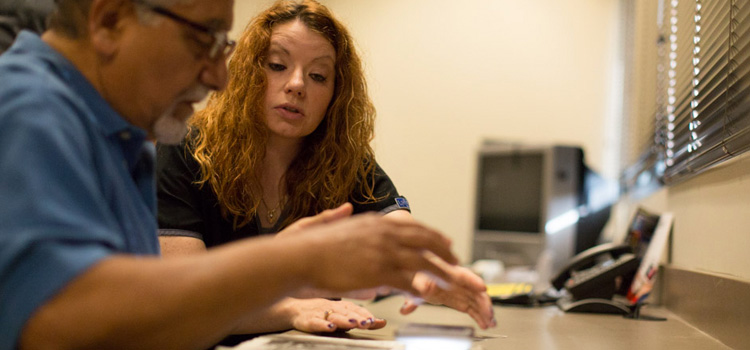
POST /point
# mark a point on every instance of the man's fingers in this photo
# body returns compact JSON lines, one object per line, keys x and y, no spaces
{"x":361,"y":294}
{"x":343,"y":211}
{"x":401,"y":281}
{"x":330,"y":215}
{"x":480,"y":309}
{"x":411,"y":263}
{"x":481,"y":321}
{"x":463,"y":297}
{"x":417,"y":236}
{"x":408,"y":307}
{"x":468,"y":279}
{"x":436,"y":272}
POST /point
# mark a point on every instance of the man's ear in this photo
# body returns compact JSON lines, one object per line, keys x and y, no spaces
{"x":105,"y":24}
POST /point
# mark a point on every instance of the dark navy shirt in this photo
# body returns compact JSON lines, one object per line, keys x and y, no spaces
{"x":76,"y":181}
{"x":190,"y":210}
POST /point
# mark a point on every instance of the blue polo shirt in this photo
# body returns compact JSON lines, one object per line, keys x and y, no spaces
{"x":76,"y":181}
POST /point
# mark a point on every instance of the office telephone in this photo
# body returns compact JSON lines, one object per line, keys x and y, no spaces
{"x":595,"y":276}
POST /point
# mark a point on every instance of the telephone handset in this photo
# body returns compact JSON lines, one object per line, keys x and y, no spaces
{"x":594,"y":276}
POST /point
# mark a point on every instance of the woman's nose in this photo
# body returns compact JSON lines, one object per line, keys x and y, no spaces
{"x":296,"y":84}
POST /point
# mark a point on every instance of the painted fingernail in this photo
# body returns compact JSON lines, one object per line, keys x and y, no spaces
{"x":351,"y":320}
{"x":331,"y":325}
{"x":363,"y":322}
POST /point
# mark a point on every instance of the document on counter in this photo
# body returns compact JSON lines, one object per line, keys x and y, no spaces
{"x":312,"y":342}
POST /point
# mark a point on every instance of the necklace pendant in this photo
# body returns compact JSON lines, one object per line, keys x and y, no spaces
{"x":271,"y":212}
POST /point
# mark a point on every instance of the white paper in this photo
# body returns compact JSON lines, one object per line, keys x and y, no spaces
{"x":313,"y":342}
{"x":644,"y":278}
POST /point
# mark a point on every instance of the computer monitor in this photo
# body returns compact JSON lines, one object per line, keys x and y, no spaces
{"x":528,"y":202}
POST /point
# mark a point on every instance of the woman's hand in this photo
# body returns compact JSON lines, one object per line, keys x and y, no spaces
{"x":323,"y":315}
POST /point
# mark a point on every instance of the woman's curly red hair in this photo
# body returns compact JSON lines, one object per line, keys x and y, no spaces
{"x":229,"y":135}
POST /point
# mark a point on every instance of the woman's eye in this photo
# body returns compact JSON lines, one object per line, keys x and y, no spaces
{"x":317,"y":77}
{"x":276,"y":67}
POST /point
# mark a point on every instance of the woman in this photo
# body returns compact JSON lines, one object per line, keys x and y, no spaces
{"x":289,"y":138}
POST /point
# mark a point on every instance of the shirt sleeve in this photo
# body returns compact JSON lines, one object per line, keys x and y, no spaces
{"x":385,"y":193}
{"x":178,"y":197}
{"x":55,"y":222}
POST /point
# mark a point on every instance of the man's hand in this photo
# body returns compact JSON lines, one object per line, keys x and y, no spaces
{"x":328,"y":216}
{"x":368,"y":251}
{"x":467,"y":294}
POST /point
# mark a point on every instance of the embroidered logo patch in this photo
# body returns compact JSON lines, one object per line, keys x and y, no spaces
{"x":402,"y":203}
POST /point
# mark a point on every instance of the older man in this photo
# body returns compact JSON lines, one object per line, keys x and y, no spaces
{"x":79,"y":264}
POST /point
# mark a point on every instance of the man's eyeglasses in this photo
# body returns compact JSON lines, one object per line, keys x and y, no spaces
{"x":220,"y":43}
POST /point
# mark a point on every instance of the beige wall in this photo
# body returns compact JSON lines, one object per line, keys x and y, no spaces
{"x":711,"y":210}
{"x":446,"y":74}
{"x":712,"y":228}
{"x":712,"y":217}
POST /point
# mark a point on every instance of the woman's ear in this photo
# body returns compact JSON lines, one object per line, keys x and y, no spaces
{"x":105,"y":24}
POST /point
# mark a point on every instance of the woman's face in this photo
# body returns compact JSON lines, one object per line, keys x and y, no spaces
{"x":300,"y":70}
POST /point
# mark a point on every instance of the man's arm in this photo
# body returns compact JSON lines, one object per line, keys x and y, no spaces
{"x":305,"y":312}
{"x":191,"y":302}
{"x":126,"y":302}
{"x":172,"y":246}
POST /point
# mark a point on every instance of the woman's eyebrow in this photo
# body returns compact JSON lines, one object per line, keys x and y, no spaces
{"x":325,"y":57}
{"x":276,"y":48}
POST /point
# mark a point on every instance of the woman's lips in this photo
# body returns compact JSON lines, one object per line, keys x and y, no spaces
{"x":289,"y":112}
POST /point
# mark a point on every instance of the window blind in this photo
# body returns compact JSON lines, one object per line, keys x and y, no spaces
{"x":702,"y":115}
{"x":646,"y":97}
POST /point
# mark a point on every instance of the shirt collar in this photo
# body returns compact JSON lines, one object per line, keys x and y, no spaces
{"x":109,"y":120}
